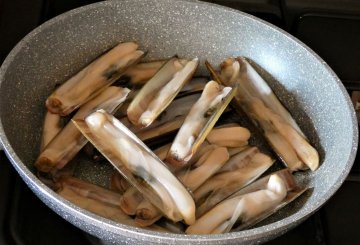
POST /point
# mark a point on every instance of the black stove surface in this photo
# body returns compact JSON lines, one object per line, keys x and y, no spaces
{"x":330,"y":27}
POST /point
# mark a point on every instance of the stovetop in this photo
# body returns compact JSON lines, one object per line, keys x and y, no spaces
{"x":330,"y":27}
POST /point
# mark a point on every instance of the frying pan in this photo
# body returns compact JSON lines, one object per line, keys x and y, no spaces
{"x":57,"y":49}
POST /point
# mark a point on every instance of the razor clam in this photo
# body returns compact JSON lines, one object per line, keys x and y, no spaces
{"x":161,"y":130}
{"x":242,"y":169}
{"x":229,"y":136}
{"x":69,"y":141}
{"x":89,"y":190}
{"x":207,"y":165}
{"x":246,"y":207}
{"x":177,"y":228}
{"x":161,"y":151}
{"x":169,"y":120}
{"x":51,"y":128}
{"x":178,"y":108}
{"x":95,"y":206}
{"x":132,"y":197}
{"x":118,"y":183}
{"x":272,"y":125}
{"x":160,"y":90}
{"x":242,"y":72}
{"x":235,"y":150}
{"x":205,"y":148}
{"x":189,"y":91}
{"x":130,"y":200}
{"x":81,"y":198}
{"x":195,"y":85}
{"x":140,"y":73}
{"x":94,"y":78}
{"x":198,"y":123}
{"x":203,"y":169}
{"x":139,"y":165}
{"x":260,"y":103}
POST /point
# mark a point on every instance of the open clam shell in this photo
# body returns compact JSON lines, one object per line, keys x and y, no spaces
{"x":95,"y":206}
{"x":250,"y":205}
{"x":139,"y":165}
{"x":260,"y":103}
{"x":241,"y":170}
{"x":69,"y":141}
{"x":91,"y":80}
{"x":97,"y":200}
{"x":199,"y":122}
{"x":89,"y":190}
{"x":207,"y":165}
{"x":160,"y":90}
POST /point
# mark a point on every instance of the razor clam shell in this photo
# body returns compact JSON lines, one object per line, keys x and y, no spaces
{"x":140,"y":73}
{"x":154,"y":90}
{"x":244,"y":156}
{"x":229,"y":136}
{"x":118,"y":183}
{"x":172,"y":227}
{"x":262,"y":90}
{"x":260,"y":183}
{"x":178,"y":108}
{"x":288,"y":183}
{"x":91,"y":191}
{"x":52,"y":126}
{"x":231,"y":181}
{"x":192,"y":178}
{"x":93,"y":79}
{"x":203,"y":126}
{"x":102,"y":209}
{"x":291,"y":196}
{"x":235,"y":150}
{"x":205,"y":168}
{"x":195,"y":85}
{"x":159,"y":186}
{"x":69,"y":141}
{"x":255,"y":89}
{"x":162,"y":151}
{"x":294,"y":191}
{"x":161,"y":130}
{"x":96,"y":207}
{"x":130,"y":200}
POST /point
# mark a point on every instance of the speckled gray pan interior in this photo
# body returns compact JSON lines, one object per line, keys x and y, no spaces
{"x":57,"y":49}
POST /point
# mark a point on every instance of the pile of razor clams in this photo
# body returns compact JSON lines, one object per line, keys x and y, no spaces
{"x":177,"y":167}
